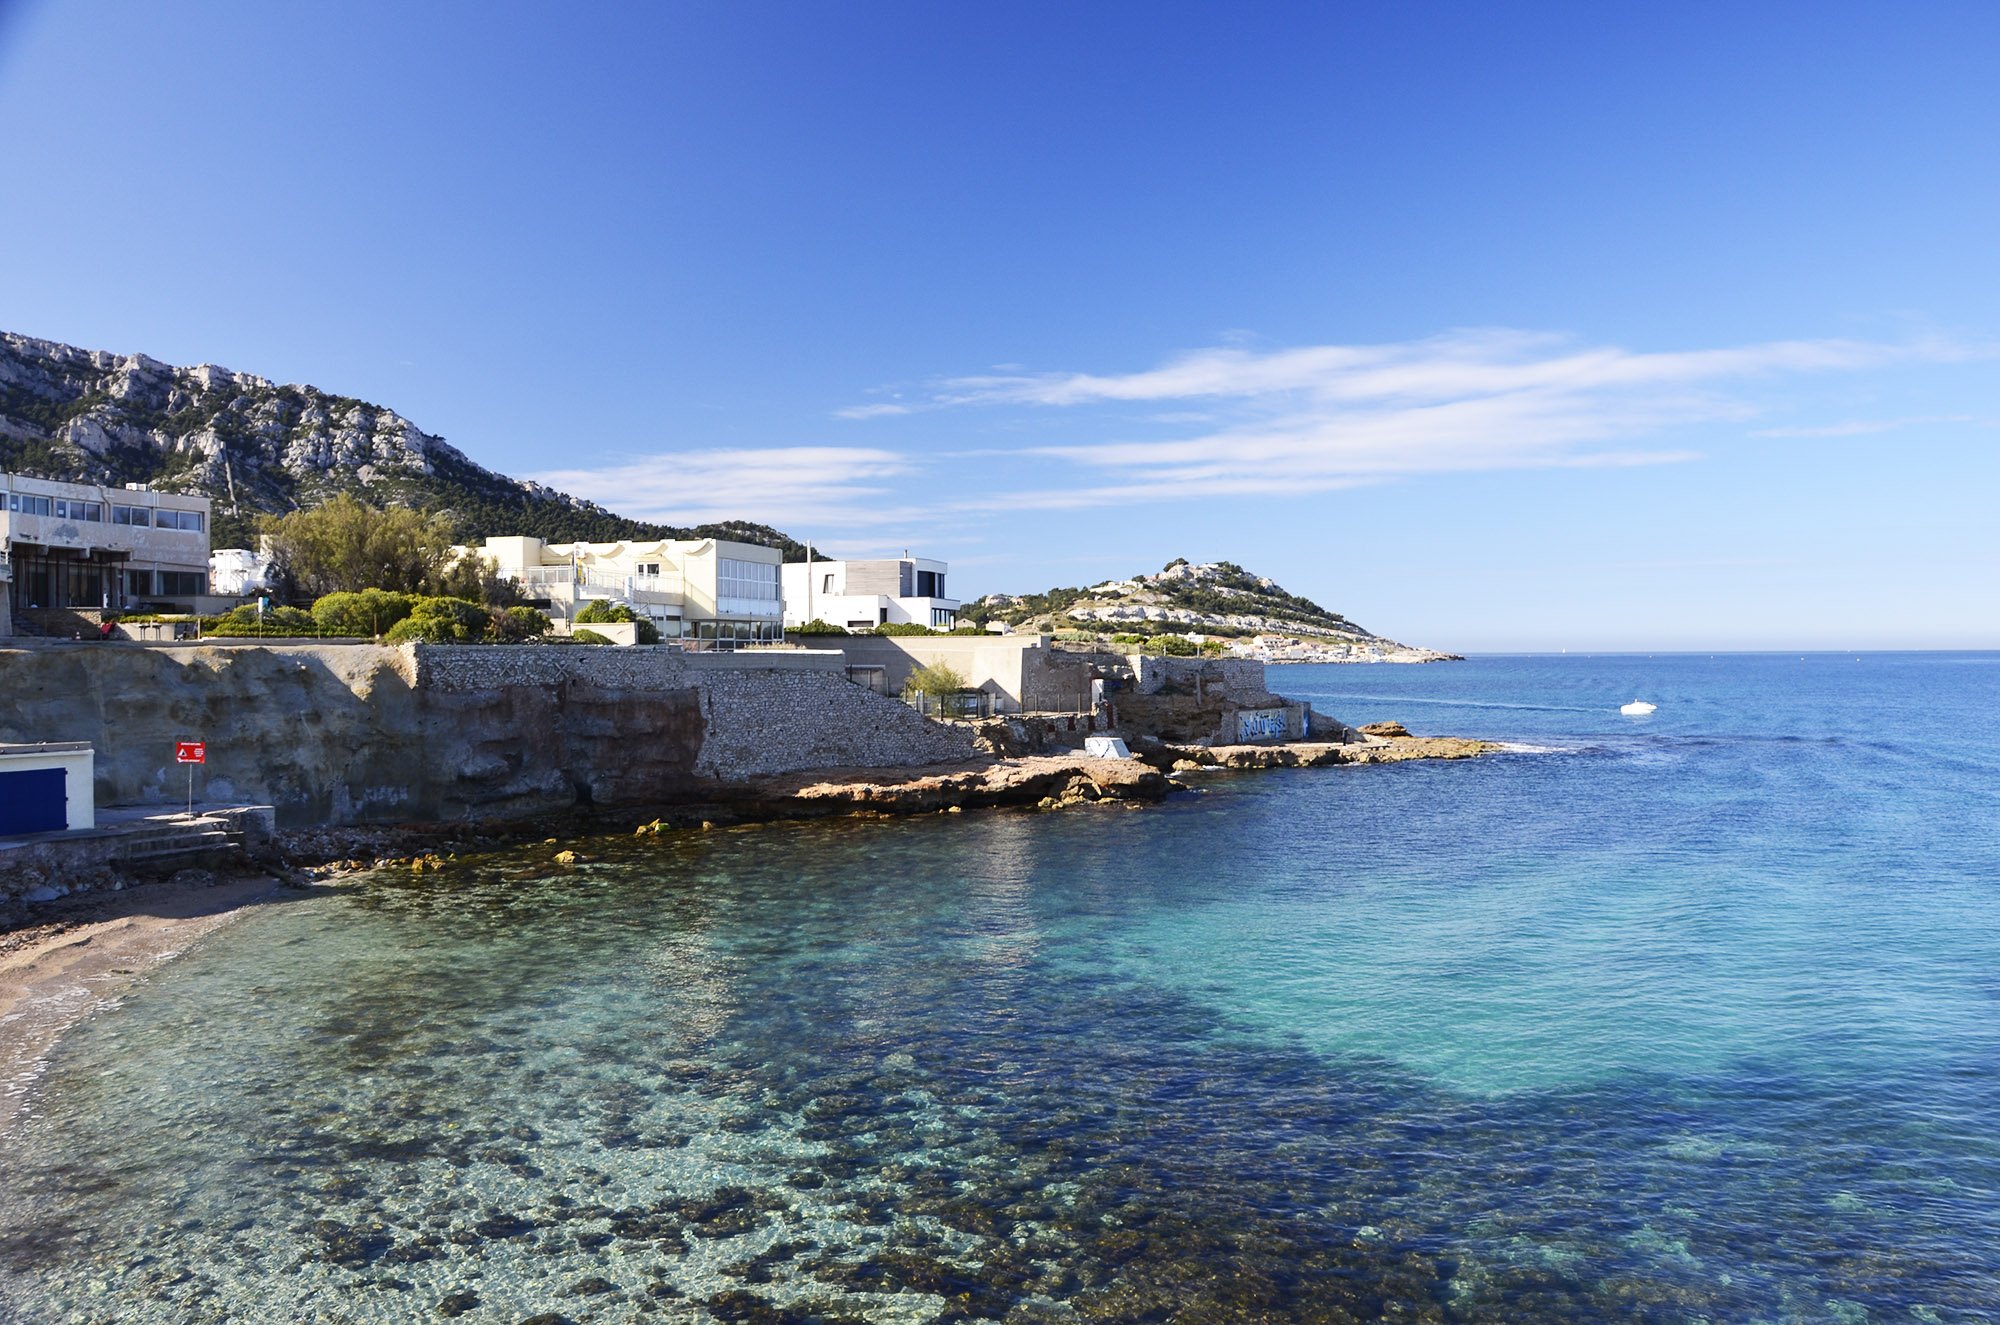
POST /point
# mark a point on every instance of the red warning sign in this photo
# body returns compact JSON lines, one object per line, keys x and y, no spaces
{"x":191,"y":752}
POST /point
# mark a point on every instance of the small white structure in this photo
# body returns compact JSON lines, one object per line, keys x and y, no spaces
{"x":1638,"y":708}
{"x":47,"y":787}
{"x":238,"y":572}
{"x":1106,"y":747}
{"x":861,"y":595}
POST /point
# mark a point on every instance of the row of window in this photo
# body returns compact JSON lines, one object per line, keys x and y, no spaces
{"x":746,"y":579}
{"x":165,"y":583}
{"x":63,"y":508}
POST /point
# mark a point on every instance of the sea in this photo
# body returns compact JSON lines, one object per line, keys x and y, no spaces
{"x":1678,"y":1018}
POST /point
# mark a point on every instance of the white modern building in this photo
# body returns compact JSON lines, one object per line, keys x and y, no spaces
{"x":862,"y":595}
{"x":714,"y":593}
{"x":84,"y":547}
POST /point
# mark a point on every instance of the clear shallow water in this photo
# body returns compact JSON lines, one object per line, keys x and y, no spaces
{"x":1692,"y":1017}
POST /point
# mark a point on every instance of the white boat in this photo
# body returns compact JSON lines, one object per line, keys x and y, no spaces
{"x":1638,"y":708}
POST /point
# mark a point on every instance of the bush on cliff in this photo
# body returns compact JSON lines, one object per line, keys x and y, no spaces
{"x":588,"y":637}
{"x":441,"y":621}
{"x":368,"y":613}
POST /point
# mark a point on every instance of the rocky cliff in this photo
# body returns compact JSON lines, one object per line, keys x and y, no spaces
{"x":256,"y":447}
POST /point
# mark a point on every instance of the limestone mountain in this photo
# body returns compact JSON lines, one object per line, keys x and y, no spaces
{"x":255,"y":447}
{"x":1216,"y":598}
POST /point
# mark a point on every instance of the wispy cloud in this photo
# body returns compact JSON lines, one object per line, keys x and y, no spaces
{"x":870,"y":411}
{"x":1862,"y":427}
{"x":1319,"y":418}
{"x":788,"y":486}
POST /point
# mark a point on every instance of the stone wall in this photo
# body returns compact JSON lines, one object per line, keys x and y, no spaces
{"x":361,"y":733}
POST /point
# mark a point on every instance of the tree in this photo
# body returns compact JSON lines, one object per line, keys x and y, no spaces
{"x":477,"y":579}
{"x":935,"y":680}
{"x":346,"y":546}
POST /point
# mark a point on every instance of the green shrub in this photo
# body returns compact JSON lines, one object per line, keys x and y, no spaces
{"x":818,"y":627}
{"x":600,"y":609}
{"x":369,"y":612}
{"x":515,"y":624}
{"x":901,"y":628}
{"x":441,"y":621}
{"x":588,"y":637}
{"x":278,"y":622}
{"x":1178,"y":646}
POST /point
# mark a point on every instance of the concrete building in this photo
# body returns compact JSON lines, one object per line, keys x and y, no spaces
{"x":714,"y":593}
{"x":861,"y":595}
{"x":69,"y":548}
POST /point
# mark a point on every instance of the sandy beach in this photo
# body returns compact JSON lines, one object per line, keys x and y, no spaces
{"x":54,"y":974}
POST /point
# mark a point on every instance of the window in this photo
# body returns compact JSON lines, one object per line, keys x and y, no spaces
{"x":930,"y":584}
{"x":166,"y":519}
{"x":80,"y":510}
{"x":826,"y":586}
{"x":27,"y":505}
{"x":746,"y":579}
{"x":649,"y":568}
{"x":183,"y":583}
{"x":132,"y":515}
{"x":943,"y":618}
{"x":138,"y":583}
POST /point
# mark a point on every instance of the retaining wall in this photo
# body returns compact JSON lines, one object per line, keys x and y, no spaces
{"x":362,"y":733}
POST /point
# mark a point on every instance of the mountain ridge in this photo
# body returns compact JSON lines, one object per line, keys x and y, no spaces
{"x":255,"y":447}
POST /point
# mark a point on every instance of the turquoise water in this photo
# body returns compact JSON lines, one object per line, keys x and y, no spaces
{"x":1689,"y":1017}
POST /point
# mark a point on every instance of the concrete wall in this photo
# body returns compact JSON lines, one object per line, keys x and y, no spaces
{"x":1025,"y":672}
{"x":362,"y":733}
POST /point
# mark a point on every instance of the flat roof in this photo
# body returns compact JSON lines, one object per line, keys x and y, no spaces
{"x":45,"y":748}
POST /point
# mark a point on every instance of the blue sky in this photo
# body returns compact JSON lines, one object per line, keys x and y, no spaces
{"x":1584,"y":326}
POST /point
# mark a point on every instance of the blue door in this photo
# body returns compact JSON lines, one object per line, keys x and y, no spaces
{"x":34,"y":800}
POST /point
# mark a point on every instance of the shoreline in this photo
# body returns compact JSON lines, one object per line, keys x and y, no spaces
{"x":56,"y":973}
{"x":67,"y":959}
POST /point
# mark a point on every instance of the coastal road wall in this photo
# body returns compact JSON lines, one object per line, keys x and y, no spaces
{"x":345,"y":734}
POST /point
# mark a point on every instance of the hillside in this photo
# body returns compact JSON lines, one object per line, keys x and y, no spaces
{"x":255,"y":447}
{"x":1219,"y":598}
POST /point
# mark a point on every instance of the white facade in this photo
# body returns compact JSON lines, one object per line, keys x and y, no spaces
{"x":715,"y":593}
{"x":862,"y":595}
{"x":87,"y":547}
